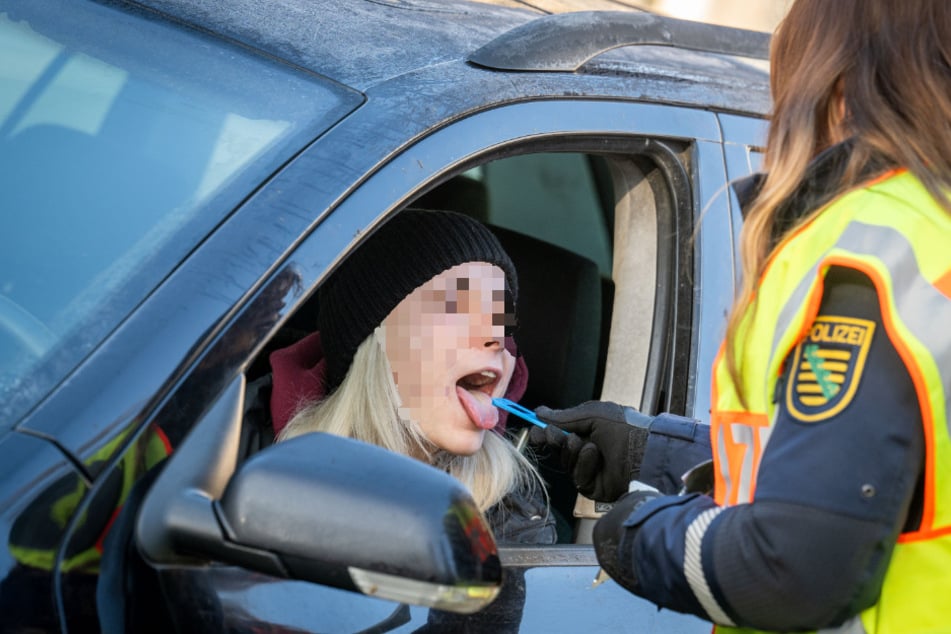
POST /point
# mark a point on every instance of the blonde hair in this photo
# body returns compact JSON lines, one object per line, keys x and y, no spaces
{"x":366,"y":407}
{"x":889,"y":63}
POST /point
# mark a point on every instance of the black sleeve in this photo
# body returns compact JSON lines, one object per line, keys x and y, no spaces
{"x":833,"y":492}
{"x":674,"y":446}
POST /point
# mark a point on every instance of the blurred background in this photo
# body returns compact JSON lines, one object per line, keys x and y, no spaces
{"x":759,"y":15}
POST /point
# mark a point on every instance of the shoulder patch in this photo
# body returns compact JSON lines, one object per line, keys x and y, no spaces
{"x":827,"y":367}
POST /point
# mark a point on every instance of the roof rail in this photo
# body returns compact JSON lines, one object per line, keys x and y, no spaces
{"x":565,"y":41}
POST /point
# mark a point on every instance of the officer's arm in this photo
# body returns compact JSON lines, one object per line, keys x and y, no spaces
{"x":831,"y":497}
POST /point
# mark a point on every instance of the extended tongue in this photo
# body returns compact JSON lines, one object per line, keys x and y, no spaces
{"x":478,"y":406}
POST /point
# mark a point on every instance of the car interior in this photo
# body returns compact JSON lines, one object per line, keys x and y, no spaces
{"x":582,"y":232}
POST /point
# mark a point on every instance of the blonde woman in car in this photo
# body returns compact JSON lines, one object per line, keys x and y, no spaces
{"x":410,"y":349}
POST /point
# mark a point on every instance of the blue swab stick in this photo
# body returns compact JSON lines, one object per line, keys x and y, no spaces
{"x":522,"y":412}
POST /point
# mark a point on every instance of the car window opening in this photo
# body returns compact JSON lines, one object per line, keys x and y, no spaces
{"x":582,"y":233}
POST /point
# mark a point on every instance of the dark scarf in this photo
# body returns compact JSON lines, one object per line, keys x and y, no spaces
{"x":820,"y":185}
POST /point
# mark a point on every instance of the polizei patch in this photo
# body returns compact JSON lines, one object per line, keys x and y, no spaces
{"x":827,"y":367}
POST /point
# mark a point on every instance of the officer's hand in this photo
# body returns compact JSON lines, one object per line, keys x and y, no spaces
{"x":603,"y":449}
{"x":613,"y":541}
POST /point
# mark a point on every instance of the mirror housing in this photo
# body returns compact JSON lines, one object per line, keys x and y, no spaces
{"x":321,"y":508}
{"x":350,"y":515}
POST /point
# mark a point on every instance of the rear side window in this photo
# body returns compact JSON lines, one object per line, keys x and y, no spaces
{"x":123,"y":142}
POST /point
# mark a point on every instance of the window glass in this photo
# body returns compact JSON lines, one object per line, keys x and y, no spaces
{"x":553,"y":196}
{"x":118,"y":154}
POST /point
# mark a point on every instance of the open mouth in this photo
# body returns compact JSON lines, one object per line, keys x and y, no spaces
{"x":483,"y":381}
{"x":475,"y":394}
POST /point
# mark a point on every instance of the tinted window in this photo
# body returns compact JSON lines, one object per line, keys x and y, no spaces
{"x":124,"y":140}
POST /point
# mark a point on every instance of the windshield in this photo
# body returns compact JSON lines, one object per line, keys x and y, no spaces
{"x":124,"y":140}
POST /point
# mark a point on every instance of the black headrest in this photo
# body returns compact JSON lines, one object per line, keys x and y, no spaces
{"x":559,"y":315}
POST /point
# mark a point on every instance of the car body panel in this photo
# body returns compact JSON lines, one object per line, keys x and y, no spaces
{"x":438,"y":33}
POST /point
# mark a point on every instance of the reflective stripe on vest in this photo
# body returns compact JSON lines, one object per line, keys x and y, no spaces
{"x":894,"y":233}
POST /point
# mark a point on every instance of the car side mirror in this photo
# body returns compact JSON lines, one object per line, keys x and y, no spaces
{"x":321,"y":508}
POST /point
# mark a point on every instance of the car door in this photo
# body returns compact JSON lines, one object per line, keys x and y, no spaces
{"x":664,"y":166}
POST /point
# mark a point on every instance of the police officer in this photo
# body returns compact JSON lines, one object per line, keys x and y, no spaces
{"x":831,"y":418}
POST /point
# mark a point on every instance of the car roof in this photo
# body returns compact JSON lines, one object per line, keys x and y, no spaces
{"x":362,"y":43}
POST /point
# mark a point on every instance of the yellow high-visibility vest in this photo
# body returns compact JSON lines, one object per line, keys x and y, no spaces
{"x":29,"y":544}
{"x":894,"y":232}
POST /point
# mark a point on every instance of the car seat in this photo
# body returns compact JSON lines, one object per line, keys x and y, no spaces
{"x":559,"y":335}
{"x":559,"y":320}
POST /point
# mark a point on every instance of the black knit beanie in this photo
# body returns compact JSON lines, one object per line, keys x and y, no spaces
{"x":401,"y":256}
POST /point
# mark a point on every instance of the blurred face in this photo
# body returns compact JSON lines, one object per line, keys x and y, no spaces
{"x":444,"y":343}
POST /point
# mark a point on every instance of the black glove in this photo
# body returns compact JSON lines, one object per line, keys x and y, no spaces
{"x":604,"y":448}
{"x":612,"y":540}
